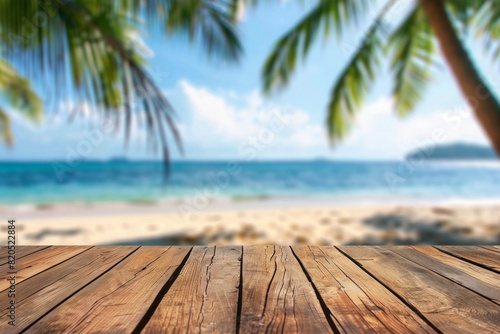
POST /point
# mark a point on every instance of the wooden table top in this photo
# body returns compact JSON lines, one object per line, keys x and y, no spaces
{"x":258,"y":289}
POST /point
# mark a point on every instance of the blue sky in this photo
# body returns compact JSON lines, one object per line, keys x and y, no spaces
{"x":221,"y":107}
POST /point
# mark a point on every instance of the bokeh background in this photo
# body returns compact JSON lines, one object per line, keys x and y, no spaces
{"x":250,"y":122}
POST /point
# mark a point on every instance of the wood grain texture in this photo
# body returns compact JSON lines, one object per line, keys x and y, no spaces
{"x":276,"y":295}
{"x":359,"y":303}
{"x":39,"y":294}
{"x":21,"y":251}
{"x":482,"y":274}
{"x":492,"y":248}
{"x":35,"y":263}
{"x":204,"y":297}
{"x":483,"y":257}
{"x":458,"y":276}
{"x":448,"y":306}
{"x":118,"y":300}
{"x":273,"y":289}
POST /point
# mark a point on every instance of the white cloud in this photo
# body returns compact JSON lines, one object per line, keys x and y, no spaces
{"x":215,"y":120}
{"x":379,"y":130}
{"x":224,"y":119}
{"x":218,"y":122}
{"x":442,"y":126}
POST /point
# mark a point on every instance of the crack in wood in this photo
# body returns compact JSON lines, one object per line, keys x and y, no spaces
{"x":283,"y":289}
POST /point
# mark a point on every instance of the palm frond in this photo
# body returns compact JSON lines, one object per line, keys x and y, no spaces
{"x":17,"y":91}
{"x":354,"y":83}
{"x":5,"y":130}
{"x":463,"y":11}
{"x":296,"y":43}
{"x":488,"y":25}
{"x":412,"y":47}
{"x":86,"y":49}
{"x":212,"y":21}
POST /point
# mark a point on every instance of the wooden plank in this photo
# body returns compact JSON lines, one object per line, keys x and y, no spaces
{"x":448,"y":306}
{"x":483,"y":257}
{"x":276,"y":295}
{"x":492,"y":248}
{"x":118,"y":300}
{"x":21,"y":251}
{"x":37,"y":262}
{"x":39,"y":294}
{"x":359,"y":303}
{"x":456,"y":275}
{"x":204,"y":298}
{"x":484,"y":275}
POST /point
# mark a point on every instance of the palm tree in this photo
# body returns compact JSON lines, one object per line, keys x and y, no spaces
{"x":410,"y":47}
{"x":88,"y":50}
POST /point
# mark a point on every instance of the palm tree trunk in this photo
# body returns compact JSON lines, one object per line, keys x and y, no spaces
{"x":484,"y":104}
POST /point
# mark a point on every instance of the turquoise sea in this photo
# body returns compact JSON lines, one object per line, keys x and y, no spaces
{"x":124,"y":181}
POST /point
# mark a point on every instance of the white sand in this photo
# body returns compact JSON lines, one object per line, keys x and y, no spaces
{"x":463,"y":224}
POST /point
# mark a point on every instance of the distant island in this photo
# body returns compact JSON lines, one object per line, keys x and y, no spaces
{"x":456,"y":151}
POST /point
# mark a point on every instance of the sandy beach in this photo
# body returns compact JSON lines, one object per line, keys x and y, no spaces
{"x":306,"y":224}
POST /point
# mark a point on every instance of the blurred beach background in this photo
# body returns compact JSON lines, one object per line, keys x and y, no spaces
{"x":250,"y":122}
{"x":265,"y":202}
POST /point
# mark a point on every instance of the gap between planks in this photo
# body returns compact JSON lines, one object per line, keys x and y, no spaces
{"x":448,"y":306}
{"x":334,"y":323}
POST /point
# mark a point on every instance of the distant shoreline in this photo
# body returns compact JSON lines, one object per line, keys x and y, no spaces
{"x":455,"y":151}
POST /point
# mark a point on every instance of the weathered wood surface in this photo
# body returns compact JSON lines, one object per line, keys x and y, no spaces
{"x":20,"y":252}
{"x":35,"y":263}
{"x":458,"y":276}
{"x":478,"y":255}
{"x":492,"y":248}
{"x":119,"y":300}
{"x":480,"y":273}
{"x":43,"y":292}
{"x":276,"y":295}
{"x":253,"y":289}
{"x":448,"y":306}
{"x":204,"y":298}
{"x":357,"y":300}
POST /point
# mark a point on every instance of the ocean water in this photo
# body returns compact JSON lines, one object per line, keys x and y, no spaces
{"x":41,"y":183}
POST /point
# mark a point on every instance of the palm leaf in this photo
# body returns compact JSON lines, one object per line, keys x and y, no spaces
{"x":86,"y":50}
{"x":18,"y":92}
{"x":296,"y":43}
{"x":5,"y":130}
{"x":412,"y":47}
{"x":488,"y":25}
{"x":212,"y":21}
{"x":355,"y":81}
{"x":464,"y":12}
